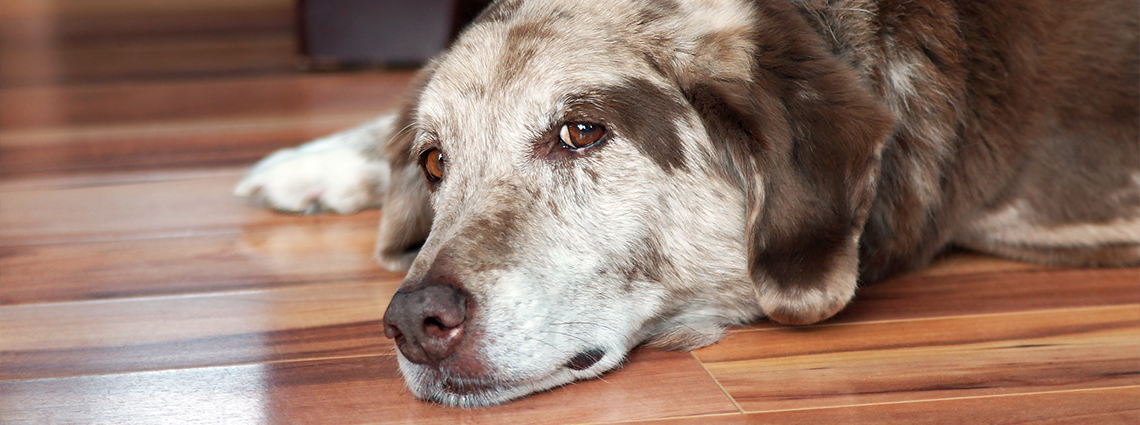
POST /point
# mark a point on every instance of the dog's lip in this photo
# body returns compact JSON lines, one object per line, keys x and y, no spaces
{"x":492,"y":387}
{"x":466,"y":387}
{"x":468,"y":392}
{"x":459,"y":385}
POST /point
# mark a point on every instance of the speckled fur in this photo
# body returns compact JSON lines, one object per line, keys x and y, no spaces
{"x":764,"y":158}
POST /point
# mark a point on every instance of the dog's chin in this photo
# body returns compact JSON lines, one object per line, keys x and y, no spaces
{"x":433,"y":385}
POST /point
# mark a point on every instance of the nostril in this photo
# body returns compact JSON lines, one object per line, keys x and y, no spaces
{"x":434,"y":322}
{"x":434,"y":327}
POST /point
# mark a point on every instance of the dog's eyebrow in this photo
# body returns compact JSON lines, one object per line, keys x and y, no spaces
{"x":422,"y":140}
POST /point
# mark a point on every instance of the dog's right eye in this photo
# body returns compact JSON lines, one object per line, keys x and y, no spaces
{"x":579,"y":135}
{"x":432,"y":164}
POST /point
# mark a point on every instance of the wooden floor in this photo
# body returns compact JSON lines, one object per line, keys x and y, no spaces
{"x":134,"y":288}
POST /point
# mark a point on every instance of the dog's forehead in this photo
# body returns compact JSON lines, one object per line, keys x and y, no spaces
{"x":510,"y":75}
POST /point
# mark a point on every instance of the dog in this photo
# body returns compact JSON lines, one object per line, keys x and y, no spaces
{"x":573,"y":178}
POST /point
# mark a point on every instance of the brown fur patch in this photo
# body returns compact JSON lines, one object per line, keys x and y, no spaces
{"x":1044,"y":101}
{"x":646,"y":262}
{"x":487,"y":242}
{"x":806,"y":123}
{"x":646,"y":116}
{"x":636,"y":110}
{"x":522,"y":42}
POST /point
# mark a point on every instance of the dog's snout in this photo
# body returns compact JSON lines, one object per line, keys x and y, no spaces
{"x":427,"y":322}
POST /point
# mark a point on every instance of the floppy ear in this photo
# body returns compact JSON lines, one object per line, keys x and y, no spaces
{"x":803,"y":136}
{"x":405,"y":219}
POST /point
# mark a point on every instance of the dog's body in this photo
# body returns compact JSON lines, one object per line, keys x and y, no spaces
{"x":738,"y":159}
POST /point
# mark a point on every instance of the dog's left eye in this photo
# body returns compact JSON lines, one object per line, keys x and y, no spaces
{"x":580,"y":135}
{"x":432,"y":163}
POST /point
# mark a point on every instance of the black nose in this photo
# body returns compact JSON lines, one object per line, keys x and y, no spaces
{"x":426,"y":321}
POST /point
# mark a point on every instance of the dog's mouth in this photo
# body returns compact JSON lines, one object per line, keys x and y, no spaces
{"x":441,"y":388}
{"x":470,"y":388}
{"x":438,"y":386}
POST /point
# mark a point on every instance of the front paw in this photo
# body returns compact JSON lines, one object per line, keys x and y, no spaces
{"x":315,"y":178}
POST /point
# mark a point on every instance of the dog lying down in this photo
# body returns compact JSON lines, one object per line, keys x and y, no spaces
{"x":573,"y":178}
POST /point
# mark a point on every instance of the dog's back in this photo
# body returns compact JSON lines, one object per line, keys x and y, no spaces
{"x":1017,"y":127}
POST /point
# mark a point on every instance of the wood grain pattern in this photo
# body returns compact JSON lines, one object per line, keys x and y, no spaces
{"x":308,"y":251}
{"x":1019,"y":287}
{"x":134,"y":288}
{"x":179,"y":125}
{"x":134,"y":210}
{"x":51,"y":109}
{"x":75,"y":41}
{"x":1097,"y":406}
{"x":944,"y":358}
{"x":246,"y":53}
{"x":365,"y":389}
{"x":222,"y":328}
{"x":106,"y":241}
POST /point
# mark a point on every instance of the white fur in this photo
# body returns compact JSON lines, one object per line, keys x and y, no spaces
{"x":1013,"y":225}
{"x":332,"y":173}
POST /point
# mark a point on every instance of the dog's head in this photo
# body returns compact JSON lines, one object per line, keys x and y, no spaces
{"x":588,"y":176}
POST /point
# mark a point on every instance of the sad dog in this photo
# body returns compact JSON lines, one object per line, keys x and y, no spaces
{"x":573,"y":178}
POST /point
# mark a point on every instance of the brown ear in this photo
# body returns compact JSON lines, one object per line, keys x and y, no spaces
{"x":803,"y":136}
{"x":405,"y":219}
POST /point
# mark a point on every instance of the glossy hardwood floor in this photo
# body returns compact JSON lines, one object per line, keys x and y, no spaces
{"x":134,"y":288}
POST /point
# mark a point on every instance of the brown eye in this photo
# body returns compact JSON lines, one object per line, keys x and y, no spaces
{"x":580,"y":135}
{"x":432,"y":163}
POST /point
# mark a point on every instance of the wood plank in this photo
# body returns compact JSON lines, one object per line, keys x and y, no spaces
{"x":129,"y":8}
{"x":95,"y":106}
{"x":136,"y":209}
{"x":69,"y":42}
{"x":1098,"y":406}
{"x":1027,"y":288}
{"x":116,"y":128}
{"x":148,"y":56}
{"x":302,"y":252}
{"x":967,"y":284}
{"x":222,"y":328}
{"x":833,"y":365}
{"x":46,"y":130}
{"x":653,"y":384}
{"x":167,"y":146}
